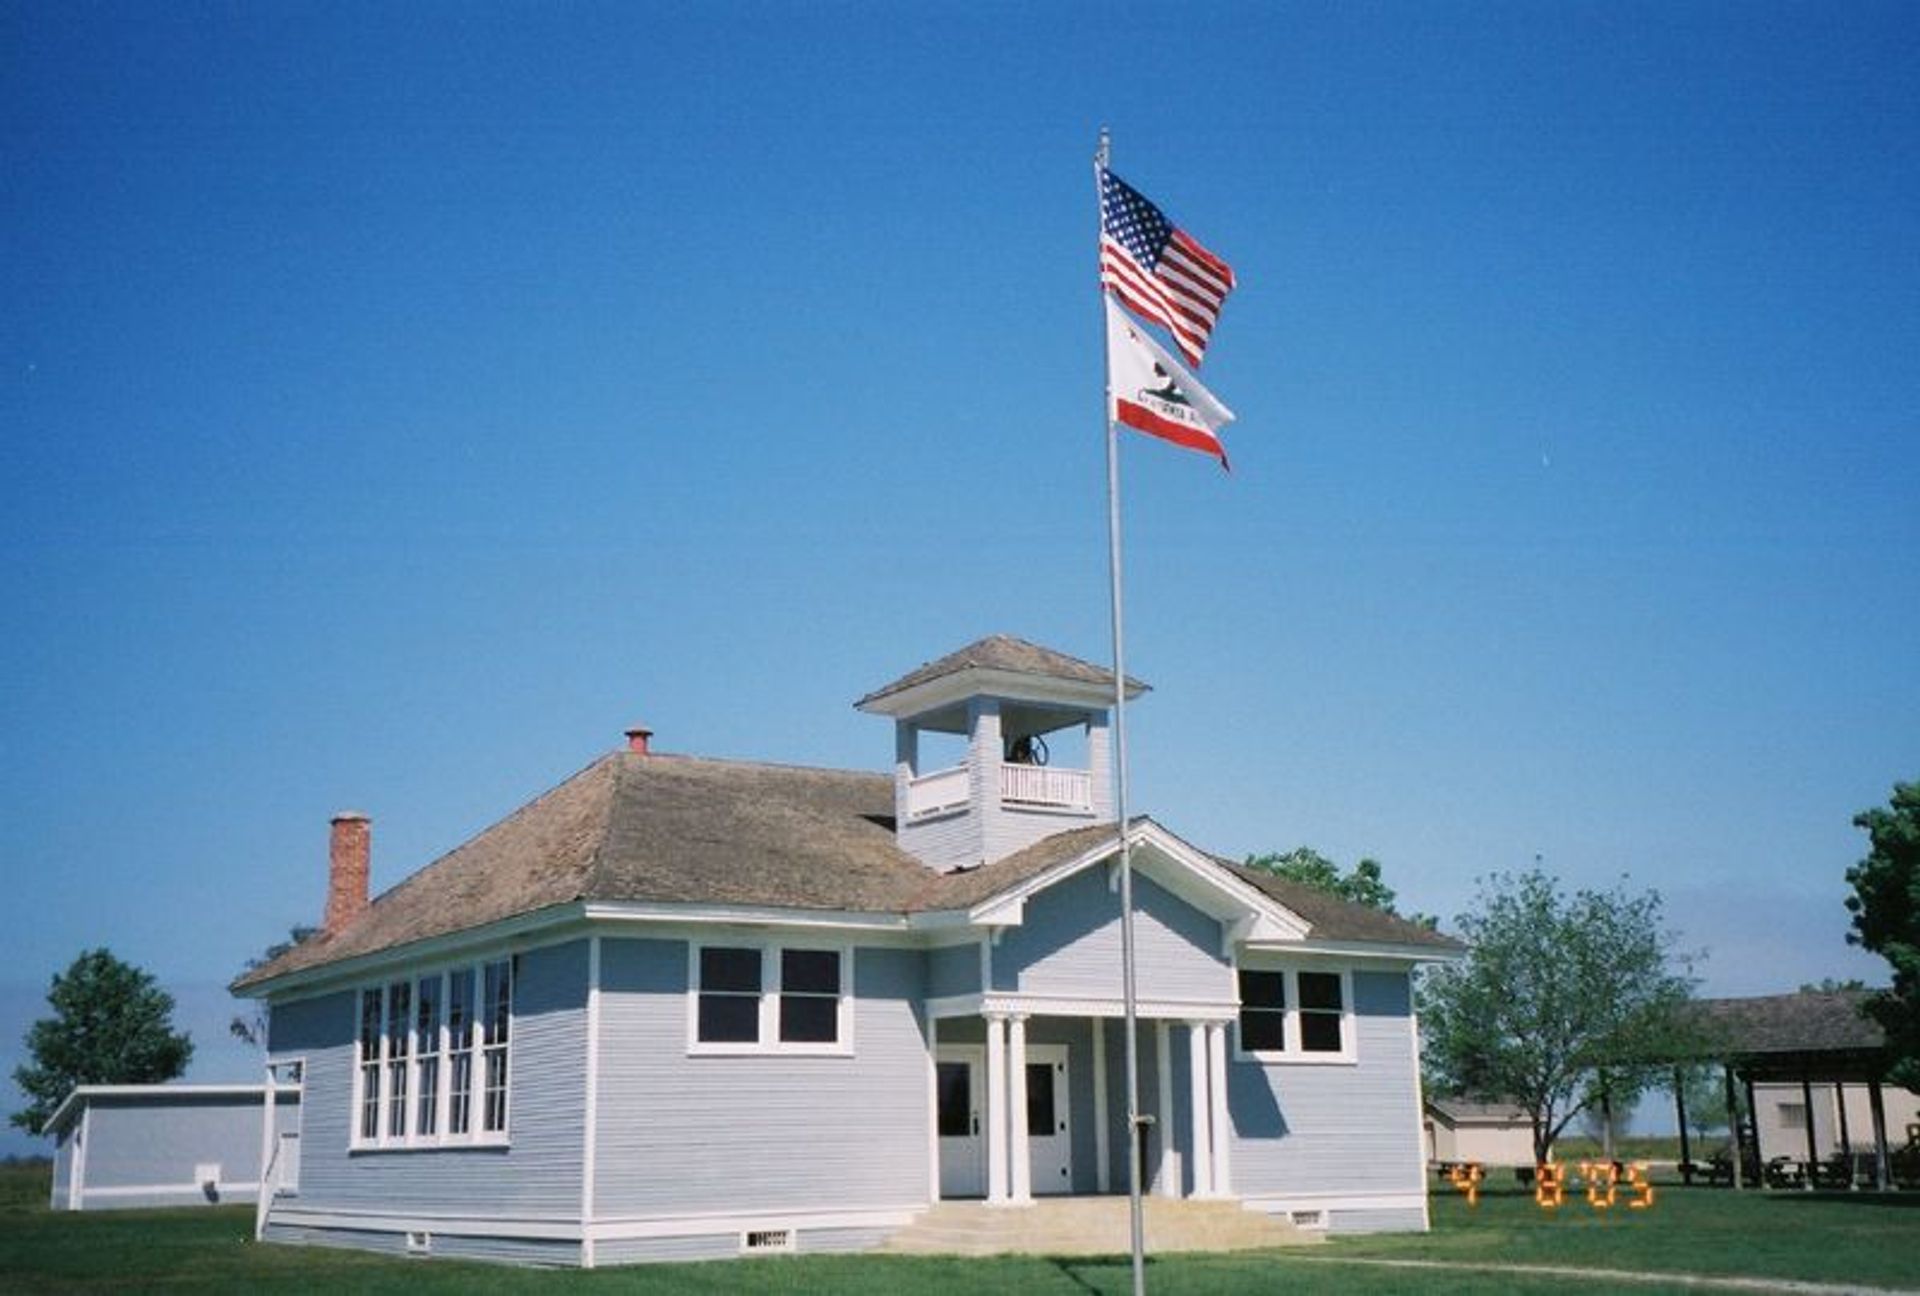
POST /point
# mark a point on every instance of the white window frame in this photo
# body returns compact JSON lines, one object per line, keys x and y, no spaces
{"x":1293,"y":1054}
{"x":383,"y":1139}
{"x":769,"y":1040}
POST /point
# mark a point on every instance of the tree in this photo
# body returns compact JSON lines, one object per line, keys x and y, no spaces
{"x":1366,"y":885}
{"x":250,"y":1027}
{"x":111,"y":1025}
{"x":1886,"y":919}
{"x":1564,"y":1002}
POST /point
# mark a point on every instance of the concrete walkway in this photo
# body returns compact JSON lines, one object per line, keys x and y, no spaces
{"x":1619,"y":1277}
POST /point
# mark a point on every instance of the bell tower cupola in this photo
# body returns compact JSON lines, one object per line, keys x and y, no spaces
{"x":1027,"y":750}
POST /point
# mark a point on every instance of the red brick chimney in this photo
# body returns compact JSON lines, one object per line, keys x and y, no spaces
{"x":348,"y":858}
{"x":637,"y":739}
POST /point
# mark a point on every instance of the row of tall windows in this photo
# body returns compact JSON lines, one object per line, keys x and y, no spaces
{"x":418,"y":1044}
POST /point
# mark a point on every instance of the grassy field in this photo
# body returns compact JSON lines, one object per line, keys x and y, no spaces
{"x":1859,"y":1240}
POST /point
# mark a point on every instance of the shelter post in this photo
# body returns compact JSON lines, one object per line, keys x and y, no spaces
{"x":1680,"y":1110}
{"x":1735,"y":1137}
{"x":1846,"y":1144}
{"x":1753,"y":1128}
{"x":1882,"y":1163}
{"x":1806,"y":1116}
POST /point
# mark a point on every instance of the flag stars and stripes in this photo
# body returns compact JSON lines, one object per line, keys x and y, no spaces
{"x":1159,"y":272}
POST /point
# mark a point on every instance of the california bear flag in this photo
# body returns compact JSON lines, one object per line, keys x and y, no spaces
{"x":1148,"y":391}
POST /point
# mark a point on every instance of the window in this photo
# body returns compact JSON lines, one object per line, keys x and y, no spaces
{"x":1295,"y":1015}
{"x":419,"y":1042}
{"x":1322,"y":1012}
{"x":749,"y":998}
{"x":1263,"y":1012}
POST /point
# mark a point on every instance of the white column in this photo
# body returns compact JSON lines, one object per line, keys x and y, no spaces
{"x":996,"y":1111}
{"x":1168,"y":1183}
{"x":1221,"y":1122}
{"x":1021,"y":1155}
{"x":1101,"y":1151}
{"x":1200,"y":1108}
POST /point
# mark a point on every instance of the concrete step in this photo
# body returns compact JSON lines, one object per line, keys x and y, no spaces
{"x":1091,"y":1226}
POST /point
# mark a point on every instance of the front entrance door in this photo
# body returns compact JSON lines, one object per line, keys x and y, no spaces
{"x":1049,"y":1132}
{"x":960,"y":1072}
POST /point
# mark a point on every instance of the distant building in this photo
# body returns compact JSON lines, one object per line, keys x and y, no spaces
{"x":1492,"y":1133}
{"x":118,"y":1146}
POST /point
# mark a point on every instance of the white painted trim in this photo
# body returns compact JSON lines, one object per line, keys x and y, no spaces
{"x":1192,"y":873}
{"x":77,"y":1192}
{"x":1102,"y":1152}
{"x":969,"y":682}
{"x":933,"y":1106}
{"x":1222,"y":1109}
{"x":769,"y":1041}
{"x":996,"y":1110}
{"x":1167,"y":1183}
{"x":81,"y":1095}
{"x":504,"y":1226}
{"x":1200,"y":1109}
{"x":1019,"y":1151}
{"x":1419,"y":1109}
{"x":1293,"y":1054}
{"x":630,"y":911}
{"x":798,"y":1221}
{"x":173,"y":1189}
{"x":1334,"y":1202}
{"x":1380,"y":951}
{"x":590,"y":1140}
{"x":554,"y":925}
{"x":1044,"y":1005}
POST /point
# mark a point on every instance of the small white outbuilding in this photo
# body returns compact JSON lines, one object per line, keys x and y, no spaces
{"x":118,"y":1146}
{"x":1494,"y":1134}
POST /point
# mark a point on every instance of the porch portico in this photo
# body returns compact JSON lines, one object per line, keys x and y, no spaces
{"x":1014,"y":1082}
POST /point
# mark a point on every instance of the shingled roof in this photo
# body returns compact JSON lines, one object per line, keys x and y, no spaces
{"x":664,"y":829}
{"x":1003,"y":653}
{"x":1812,"y":1021}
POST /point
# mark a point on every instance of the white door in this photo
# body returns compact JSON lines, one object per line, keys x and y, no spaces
{"x":960,"y":1073}
{"x":1049,"y":1132}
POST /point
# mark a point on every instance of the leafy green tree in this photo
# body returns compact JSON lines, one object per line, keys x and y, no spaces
{"x":250,"y":1027}
{"x":1829,"y":985}
{"x":1886,"y":919}
{"x":1366,"y":885}
{"x":1564,"y":1002}
{"x":111,"y":1025}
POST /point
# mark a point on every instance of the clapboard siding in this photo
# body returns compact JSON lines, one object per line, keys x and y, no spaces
{"x":682,"y":1133}
{"x":702,"y":1246}
{"x":953,"y":970}
{"x":1330,"y":1129}
{"x":525,"y":1251}
{"x":537,"y":1175}
{"x":1069,"y":944}
{"x":1404,"y":1220}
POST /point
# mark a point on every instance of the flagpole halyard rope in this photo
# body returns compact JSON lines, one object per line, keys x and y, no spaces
{"x":1135,"y":1170}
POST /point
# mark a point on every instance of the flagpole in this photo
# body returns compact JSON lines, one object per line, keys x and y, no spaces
{"x":1136,"y":1206}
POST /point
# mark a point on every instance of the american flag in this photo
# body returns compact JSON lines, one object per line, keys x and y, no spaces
{"x":1159,"y":273}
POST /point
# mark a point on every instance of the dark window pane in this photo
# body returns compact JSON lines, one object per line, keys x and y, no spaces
{"x":499,"y":1005}
{"x":729,"y":1019}
{"x":956,"y":1099}
{"x":1262,"y":1032}
{"x":809,"y":1019}
{"x":1320,"y":1032}
{"x":460,"y":1007}
{"x":370,"y":1023}
{"x":1263,"y":989}
{"x":1040,"y":1099}
{"x":1320,"y":990}
{"x":730,"y":969}
{"x":814,"y":971}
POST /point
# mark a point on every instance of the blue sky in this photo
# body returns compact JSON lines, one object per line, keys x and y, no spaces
{"x":399,"y":404}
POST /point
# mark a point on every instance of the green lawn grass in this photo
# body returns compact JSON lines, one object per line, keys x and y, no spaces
{"x":1857,"y":1240}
